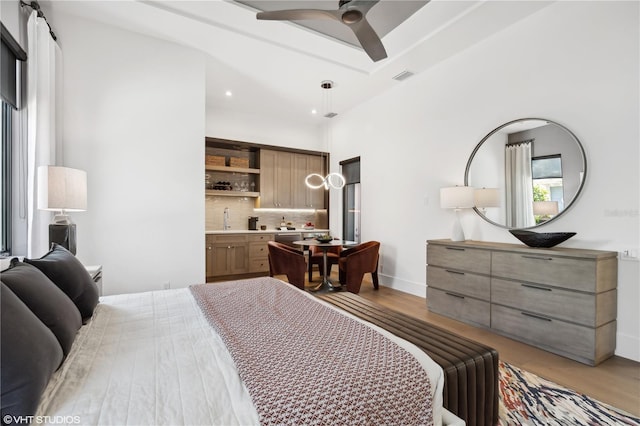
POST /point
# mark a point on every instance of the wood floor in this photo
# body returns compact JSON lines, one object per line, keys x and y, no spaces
{"x":616,"y":381}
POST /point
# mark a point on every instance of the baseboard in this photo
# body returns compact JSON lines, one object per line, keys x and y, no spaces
{"x":628,"y":346}
{"x":417,"y":289}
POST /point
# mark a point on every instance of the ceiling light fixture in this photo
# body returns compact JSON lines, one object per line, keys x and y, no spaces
{"x":332,"y":180}
{"x":228,"y":93}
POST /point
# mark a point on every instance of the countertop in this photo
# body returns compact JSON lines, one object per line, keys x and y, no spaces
{"x":269,"y":231}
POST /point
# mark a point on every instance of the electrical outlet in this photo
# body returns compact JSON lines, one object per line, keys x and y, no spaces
{"x":629,"y":254}
{"x":166,"y":285}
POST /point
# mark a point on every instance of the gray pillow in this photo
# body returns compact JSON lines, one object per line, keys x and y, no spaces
{"x":70,"y":276}
{"x":30,"y":354}
{"x":45,"y":300}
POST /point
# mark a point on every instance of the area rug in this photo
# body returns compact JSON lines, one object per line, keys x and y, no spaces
{"x":526,"y":399}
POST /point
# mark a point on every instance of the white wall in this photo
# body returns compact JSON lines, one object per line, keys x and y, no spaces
{"x":575,"y":63}
{"x":134,"y":120}
{"x":265,"y":129}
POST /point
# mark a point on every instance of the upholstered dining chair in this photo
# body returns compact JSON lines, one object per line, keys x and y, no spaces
{"x":316,"y":258}
{"x":285,"y":260}
{"x":356,"y":261}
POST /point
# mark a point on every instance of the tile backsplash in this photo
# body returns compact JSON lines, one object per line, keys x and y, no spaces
{"x":240,"y":208}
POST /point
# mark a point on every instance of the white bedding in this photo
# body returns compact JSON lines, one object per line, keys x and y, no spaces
{"x":152,"y":359}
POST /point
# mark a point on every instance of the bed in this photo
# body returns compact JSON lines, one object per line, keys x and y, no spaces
{"x":175,"y":357}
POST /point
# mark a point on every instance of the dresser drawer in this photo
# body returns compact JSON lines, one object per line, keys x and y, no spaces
{"x":459,"y":258}
{"x":261,"y":237}
{"x":581,"y":308}
{"x":582,"y":343}
{"x":458,"y":307}
{"x":575,"y":274}
{"x":463,"y":283}
{"x":259,"y":265}
{"x":258,"y":250}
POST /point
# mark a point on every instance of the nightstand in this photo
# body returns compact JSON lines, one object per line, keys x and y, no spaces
{"x":96,"y":275}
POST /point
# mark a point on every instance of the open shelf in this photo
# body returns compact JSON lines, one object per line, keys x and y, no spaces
{"x":232,"y":169}
{"x":232,"y":193}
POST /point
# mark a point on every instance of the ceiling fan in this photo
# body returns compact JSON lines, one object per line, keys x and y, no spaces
{"x":352,"y":13}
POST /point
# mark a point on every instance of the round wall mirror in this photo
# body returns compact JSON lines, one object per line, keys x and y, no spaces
{"x":527,"y":172}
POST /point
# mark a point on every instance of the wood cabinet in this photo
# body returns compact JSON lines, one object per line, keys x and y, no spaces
{"x":282,"y":180}
{"x":259,"y":252}
{"x":236,"y":255}
{"x":275,"y":179}
{"x":227,"y":254}
{"x":303,"y":196}
{"x":561,"y":300}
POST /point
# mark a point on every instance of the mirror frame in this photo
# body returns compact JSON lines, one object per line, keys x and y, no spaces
{"x":497,"y":129}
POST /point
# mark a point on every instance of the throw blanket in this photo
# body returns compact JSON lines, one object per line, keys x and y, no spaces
{"x":305,"y":363}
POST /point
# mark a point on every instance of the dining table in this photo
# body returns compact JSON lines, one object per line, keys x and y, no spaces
{"x":326,"y":285}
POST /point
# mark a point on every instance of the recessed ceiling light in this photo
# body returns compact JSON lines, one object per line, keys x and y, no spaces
{"x":228,"y":93}
{"x":314,"y":111}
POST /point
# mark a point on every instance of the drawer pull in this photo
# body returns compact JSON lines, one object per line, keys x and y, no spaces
{"x":535,"y":316}
{"x":454,"y":272}
{"x":454,"y":295}
{"x":536,"y":287}
{"x":455,"y":248}
{"x":537,"y":257}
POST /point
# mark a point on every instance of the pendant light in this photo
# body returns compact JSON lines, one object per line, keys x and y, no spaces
{"x":331,"y":180}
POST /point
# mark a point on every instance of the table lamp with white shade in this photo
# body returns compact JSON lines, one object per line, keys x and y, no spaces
{"x":486,"y":197}
{"x":545,"y":209}
{"x":62,"y":189}
{"x":457,"y":198}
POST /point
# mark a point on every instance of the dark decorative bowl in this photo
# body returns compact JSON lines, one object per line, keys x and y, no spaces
{"x":541,"y":239}
{"x":324,"y":239}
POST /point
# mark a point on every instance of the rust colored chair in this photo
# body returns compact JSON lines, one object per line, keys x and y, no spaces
{"x":285,"y":260}
{"x":356,"y":261}
{"x":316,"y":258}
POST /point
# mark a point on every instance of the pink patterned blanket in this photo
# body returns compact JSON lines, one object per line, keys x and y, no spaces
{"x":304,"y":363}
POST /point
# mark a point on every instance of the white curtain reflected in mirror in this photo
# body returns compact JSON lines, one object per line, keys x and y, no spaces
{"x":519,"y":185}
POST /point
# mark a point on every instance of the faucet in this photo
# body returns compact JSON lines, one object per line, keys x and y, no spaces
{"x":225,"y":219}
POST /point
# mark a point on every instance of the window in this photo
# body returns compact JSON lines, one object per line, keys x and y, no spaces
{"x":10,"y":55}
{"x":546,"y":172}
{"x":351,"y":199}
{"x":5,"y":190}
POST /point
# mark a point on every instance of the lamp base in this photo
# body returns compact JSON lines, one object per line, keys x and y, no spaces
{"x":65,"y":235}
{"x":457,"y":233}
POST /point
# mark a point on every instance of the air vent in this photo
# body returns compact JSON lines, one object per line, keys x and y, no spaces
{"x":330,"y":114}
{"x":403,"y":75}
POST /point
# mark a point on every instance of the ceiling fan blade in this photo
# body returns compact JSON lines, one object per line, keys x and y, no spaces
{"x":297,"y":15}
{"x":369,"y":40}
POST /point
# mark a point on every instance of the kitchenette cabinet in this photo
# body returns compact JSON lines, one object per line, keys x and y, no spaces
{"x":227,"y":255}
{"x":275,"y":179}
{"x":236,"y":255}
{"x":559,"y":299}
{"x":282,"y":180}
{"x":303,"y":196}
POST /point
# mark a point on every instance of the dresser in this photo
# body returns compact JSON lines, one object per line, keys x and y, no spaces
{"x":563,"y":300}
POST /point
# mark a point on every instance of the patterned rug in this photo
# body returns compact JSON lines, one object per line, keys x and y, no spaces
{"x":526,"y":399}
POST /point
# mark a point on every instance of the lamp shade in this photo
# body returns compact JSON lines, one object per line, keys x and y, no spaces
{"x":545,"y":208}
{"x":62,"y":189}
{"x":487,"y":197}
{"x":456,"y":197}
